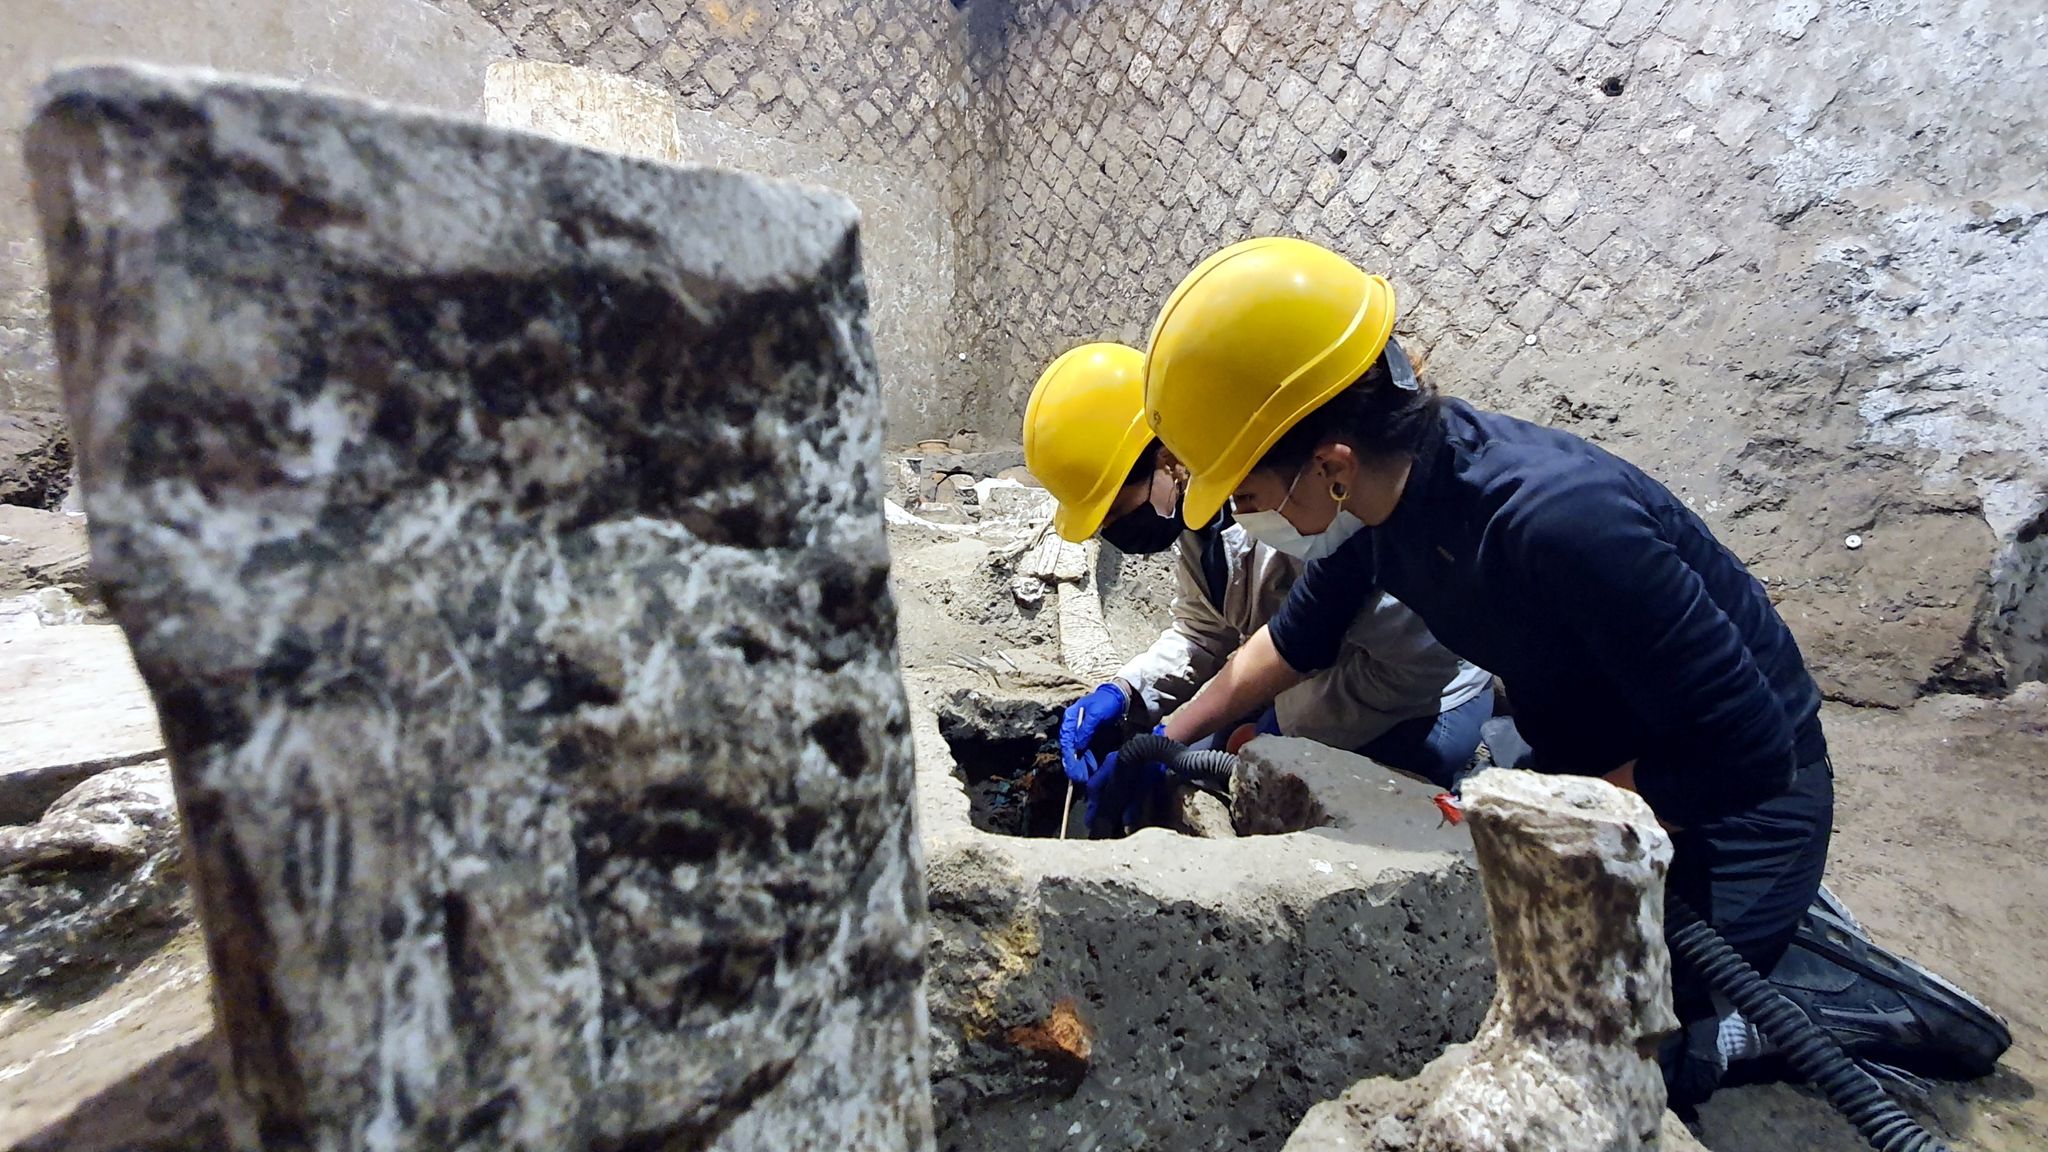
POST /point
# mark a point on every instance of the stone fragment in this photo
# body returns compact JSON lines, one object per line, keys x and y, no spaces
{"x":496,"y":524}
{"x":96,"y":878}
{"x":1193,"y":812}
{"x":35,"y":460}
{"x":71,"y":706}
{"x":1573,"y":870}
{"x":1013,"y":500}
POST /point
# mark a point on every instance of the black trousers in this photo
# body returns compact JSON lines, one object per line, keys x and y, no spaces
{"x":1753,"y":875}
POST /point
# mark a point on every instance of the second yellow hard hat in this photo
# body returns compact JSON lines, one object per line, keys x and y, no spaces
{"x":1084,"y":429}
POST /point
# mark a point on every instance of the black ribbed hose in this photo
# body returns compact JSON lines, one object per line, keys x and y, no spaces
{"x":1809,"y":1048}
{"x":1203,"y":769}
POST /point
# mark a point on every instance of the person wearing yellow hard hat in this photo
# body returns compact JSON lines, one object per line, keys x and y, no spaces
{"x":1632,"y":643}
{"x":1392,"y":691}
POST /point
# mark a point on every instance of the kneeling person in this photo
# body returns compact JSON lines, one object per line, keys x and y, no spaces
{"x":1394,"y":694}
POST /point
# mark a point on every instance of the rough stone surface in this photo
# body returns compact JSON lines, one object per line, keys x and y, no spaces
{"x":95,"y":880}
{"x":1193,"y":812}
{"x":35,"y":460}
{"x":1288,"y":784}
{"x":406,"y":50}
{"x":44,"y":549}
{"x":71,"y":705}
{"x":497,"y":525}
{"x":1574,"y":875}
{"x":1163,"y":991}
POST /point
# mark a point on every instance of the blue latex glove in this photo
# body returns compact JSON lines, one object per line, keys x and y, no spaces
{"x":1105,"y":705}
{"x":1122,"y":788}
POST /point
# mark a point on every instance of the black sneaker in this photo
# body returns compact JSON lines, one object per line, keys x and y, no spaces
{"x":1883,"y":1008}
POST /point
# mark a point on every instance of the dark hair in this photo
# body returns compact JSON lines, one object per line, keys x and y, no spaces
{"x":1378,"y":420}
{"x":1148,"y":462}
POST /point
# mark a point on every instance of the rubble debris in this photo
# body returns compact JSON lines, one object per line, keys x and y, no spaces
{"x":1574,"y":880}
{"x":94,"y":881}
{"x":598,"y":832}
{"x":1193,"y":812}
{"x":47,"y":608}
{"x":35,"y":461}
{"x":1000,"y":499}
{"x":938,"y":478}
{"x":899,"y":517}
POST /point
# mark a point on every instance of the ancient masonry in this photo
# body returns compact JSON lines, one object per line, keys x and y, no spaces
{"x":1574,"y":872}
{"x":1681,"y":228}
{"x":497,"y":525}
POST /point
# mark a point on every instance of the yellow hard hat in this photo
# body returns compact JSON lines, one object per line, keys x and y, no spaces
{"x":1258,"y":336}
{"x":1083,"y":431}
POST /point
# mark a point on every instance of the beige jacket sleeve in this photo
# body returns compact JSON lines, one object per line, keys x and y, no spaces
{"x":1391,"y":667}
{"x":1188,"y":653}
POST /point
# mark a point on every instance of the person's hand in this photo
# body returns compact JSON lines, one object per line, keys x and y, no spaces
{"x":1096,"y":790}
{"x":1105,"y":705}
{"x":1119,"y":792}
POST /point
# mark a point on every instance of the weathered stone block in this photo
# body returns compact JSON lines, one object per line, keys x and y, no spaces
{"x":496,"y":523}
{"x":1150,"y":991}
{"x":1574,"y":875}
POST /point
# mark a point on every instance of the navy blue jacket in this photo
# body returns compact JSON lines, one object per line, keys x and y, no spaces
{"x":1622,"y":628}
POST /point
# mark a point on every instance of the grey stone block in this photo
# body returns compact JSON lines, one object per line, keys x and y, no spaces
{"x":496,"y":523}
{"x":1148,"y":991}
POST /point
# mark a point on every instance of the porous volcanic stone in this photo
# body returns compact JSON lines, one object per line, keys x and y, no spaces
{"x":1573,"y":870}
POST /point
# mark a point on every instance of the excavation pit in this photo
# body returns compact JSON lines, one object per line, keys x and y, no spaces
{"x":1006,"y":754}
{"x":1177,"y":967}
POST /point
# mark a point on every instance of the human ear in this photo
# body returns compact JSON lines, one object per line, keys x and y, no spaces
{"x":1336,"y":467}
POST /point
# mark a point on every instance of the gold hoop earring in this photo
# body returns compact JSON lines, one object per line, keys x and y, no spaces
{"x":1338,"y":491}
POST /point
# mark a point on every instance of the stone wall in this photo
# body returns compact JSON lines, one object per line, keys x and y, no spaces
{"x":875,"y":98}
{"x":1792,"y":264}
{"x":1783,"y":253}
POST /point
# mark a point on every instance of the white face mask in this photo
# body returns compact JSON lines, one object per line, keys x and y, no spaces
{"x":1273,"y":530}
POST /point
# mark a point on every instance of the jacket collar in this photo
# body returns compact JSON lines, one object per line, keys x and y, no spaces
{"x":1429,"y":465}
